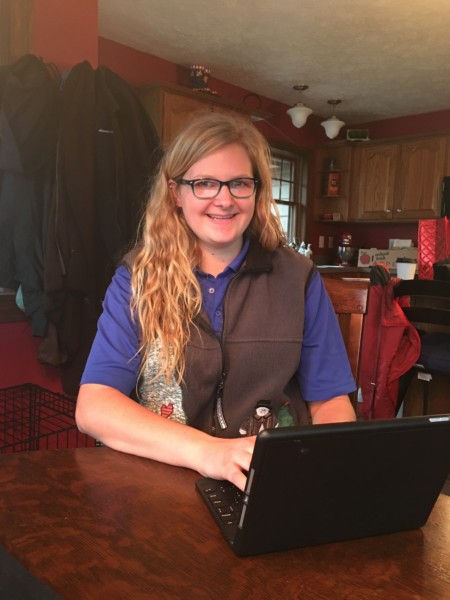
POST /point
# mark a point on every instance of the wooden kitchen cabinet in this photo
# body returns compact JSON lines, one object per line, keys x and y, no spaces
{"x":16,"y":30}
{"x":170,"y":106}
{"x":424,"y":163}
{"x":375,"y":169}
{"x":400,"y":180}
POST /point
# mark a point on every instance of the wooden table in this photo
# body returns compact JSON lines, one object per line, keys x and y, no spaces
{"x":94,"y":523}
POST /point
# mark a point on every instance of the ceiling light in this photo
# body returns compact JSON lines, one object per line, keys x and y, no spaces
{"x":299,"y":113}
{"x":332,"y":125}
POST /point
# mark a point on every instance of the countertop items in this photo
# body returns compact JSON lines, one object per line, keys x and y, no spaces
{"x":369,"y":256}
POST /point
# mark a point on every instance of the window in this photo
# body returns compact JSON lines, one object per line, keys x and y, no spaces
{"x":290,"y":187}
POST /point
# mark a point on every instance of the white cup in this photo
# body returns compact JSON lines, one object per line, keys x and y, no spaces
{"x":406,"y":268}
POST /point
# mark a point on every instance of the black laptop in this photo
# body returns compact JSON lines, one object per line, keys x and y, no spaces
{"x":325,"y":483}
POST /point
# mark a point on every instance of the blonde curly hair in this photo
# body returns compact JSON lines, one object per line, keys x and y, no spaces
{"x":166,"y":296}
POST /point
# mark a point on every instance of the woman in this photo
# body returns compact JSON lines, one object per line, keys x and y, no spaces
{"x":218,"y":325}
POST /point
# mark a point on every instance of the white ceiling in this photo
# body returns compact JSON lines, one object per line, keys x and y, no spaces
{"x":383,"y":58}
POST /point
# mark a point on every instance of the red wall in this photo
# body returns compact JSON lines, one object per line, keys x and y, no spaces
{"x":18,"y":362}
{"x":138,"y":68}
{"x":412,"y":125}
{"x":65,"y":31}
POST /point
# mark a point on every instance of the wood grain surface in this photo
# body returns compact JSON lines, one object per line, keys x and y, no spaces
{"x":94,"y":523}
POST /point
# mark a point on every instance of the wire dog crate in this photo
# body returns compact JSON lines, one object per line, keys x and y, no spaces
{"x":33,"y":418}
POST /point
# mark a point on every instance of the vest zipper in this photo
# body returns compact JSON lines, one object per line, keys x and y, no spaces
{"x":218,"y":415}
{"x":218,"y":408}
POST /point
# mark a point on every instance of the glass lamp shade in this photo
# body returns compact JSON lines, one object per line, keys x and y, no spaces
{"x":299,"y":113}
{"x":332,"y":126}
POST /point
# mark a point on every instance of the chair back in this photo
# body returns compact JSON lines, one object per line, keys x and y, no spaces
{"x":349,"y":298}
{"x":426,"y":303}
{"x":429,"y":300}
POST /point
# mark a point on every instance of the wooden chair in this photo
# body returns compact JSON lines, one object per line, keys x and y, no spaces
{"x":349,"y":298}
{"x":428,"y":308}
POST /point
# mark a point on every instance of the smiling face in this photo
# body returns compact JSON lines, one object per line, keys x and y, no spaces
{"x":218,"y":223}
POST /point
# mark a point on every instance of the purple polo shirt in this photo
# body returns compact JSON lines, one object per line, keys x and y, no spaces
{"x":214,"y":288}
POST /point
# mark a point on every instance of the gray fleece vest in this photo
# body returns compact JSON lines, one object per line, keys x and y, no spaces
{"x":245,"y":381}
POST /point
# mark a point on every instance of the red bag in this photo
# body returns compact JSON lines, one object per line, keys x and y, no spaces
{"x":433,"y":245}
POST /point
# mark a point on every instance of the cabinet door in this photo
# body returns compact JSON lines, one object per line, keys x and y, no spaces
{"x":423,"y":165}
{"x":374,"y":181}
{"x":170,"y":110}
{"x":176,"y":111}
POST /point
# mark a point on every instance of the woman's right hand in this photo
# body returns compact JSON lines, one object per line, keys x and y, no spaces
{"x":228,"y":459}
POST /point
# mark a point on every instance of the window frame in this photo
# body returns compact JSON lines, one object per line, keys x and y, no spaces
{"x":301,"y":182}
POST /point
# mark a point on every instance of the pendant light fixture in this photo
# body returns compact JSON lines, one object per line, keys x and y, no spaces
{"x":299,"y":113}
{"x":333,"y":125}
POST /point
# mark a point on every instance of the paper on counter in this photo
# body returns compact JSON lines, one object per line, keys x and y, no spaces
{"x":396,"y":243}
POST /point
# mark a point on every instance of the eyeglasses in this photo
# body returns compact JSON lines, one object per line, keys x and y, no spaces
{"x":206,"y":189}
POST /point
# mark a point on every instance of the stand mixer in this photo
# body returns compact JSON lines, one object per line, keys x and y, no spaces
{"x":346,"y":252}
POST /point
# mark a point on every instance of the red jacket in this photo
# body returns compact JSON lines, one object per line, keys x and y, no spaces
{"x":390,"y":347}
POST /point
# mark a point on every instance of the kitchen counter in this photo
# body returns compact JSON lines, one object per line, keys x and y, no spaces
{"x":344,"y":271}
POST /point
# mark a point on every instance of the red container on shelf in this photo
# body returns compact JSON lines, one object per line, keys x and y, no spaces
{"x":331,"y":181}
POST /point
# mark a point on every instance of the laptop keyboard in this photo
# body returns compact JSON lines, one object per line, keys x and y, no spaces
{"x":224,"y":501}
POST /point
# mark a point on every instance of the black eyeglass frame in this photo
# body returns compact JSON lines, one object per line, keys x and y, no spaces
{"x":192,"y":182}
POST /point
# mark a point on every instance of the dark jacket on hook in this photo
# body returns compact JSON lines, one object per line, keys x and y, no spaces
{"x":107,"y":150}
{"x":28,"y":125}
